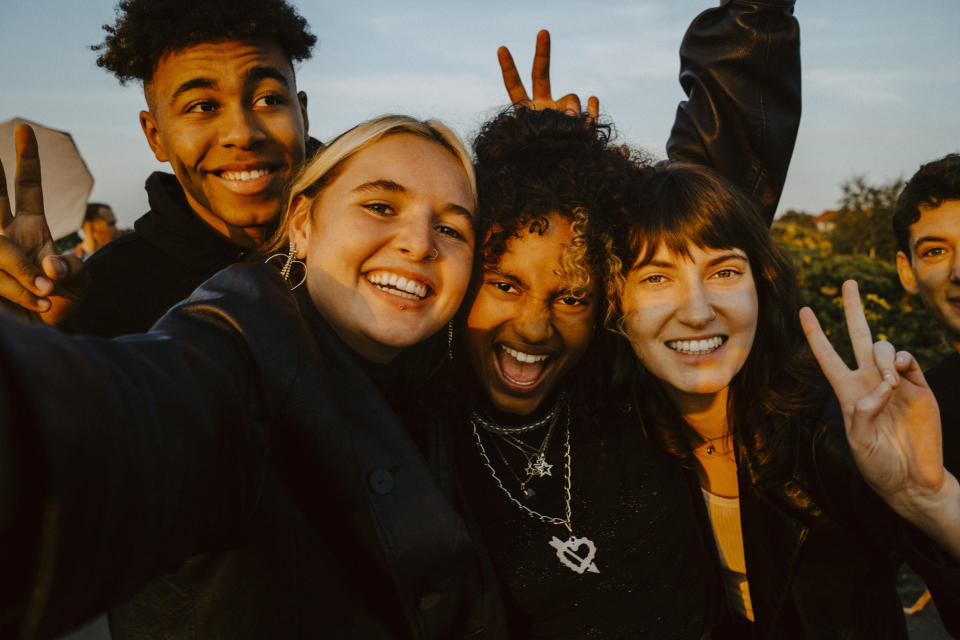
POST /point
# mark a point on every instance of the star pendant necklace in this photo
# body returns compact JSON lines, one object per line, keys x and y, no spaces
{"x":568,"y":551}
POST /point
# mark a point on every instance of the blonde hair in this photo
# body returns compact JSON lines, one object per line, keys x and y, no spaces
{"x":330,"y":162}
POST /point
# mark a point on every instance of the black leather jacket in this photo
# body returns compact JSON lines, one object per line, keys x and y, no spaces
{"x":329,"y":524}
{"x":740,"y":68}
{"x":822,"y":549}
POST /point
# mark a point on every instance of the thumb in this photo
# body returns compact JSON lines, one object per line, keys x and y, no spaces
{"x":64,"y":268}
{"x":866,"y":410}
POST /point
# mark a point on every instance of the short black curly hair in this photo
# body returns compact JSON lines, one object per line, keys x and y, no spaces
{"x":145,"y":30}
{"x":933,"y":183}
{"x":531,"y":163}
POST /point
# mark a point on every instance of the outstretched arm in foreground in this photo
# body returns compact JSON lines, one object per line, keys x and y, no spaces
{"x":35,"y":281}
{"x":892,"y":424}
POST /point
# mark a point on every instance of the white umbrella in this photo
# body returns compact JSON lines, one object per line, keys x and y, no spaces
{"x":65,"y":179}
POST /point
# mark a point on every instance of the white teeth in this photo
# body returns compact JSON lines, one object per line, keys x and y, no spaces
{"x":398,"y":285}
{"x":696,"y":347}
{"x":243,"y":176}
{"x":524,"y":357}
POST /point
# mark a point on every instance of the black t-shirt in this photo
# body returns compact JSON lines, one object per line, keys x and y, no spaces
{"x":944,"y":381}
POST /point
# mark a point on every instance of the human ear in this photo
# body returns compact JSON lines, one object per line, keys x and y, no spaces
{"x":907,"y":277}
{"x":302,"y":99}
{"x":300,"y":224}
{"x":152,"y":132}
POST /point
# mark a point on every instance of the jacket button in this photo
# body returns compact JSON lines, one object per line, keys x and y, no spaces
{"x":381,"y":481}
{"x":429,"y":601}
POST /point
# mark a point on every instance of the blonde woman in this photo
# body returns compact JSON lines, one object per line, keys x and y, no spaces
{"x":243,"y":450}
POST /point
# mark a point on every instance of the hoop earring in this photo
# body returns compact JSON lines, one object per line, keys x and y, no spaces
{"x":450,"y":341}
{"x":288,"y":262}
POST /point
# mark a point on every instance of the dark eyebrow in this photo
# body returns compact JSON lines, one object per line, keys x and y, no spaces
{"x":927,"y":239}
{"x":715,"y":261}
{"x":496,"y":271}
{"x":252,"y":75}
{"x":189,"y":85}
{"x":256,"y":74}
{"x":725,"y":257}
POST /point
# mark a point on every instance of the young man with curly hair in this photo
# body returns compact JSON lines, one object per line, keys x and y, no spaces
{"x":224,"y":111}
{"x":926,"y":222}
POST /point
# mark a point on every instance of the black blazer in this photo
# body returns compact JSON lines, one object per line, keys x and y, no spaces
{"x":280,"y":475}
{"x":823,"y":550}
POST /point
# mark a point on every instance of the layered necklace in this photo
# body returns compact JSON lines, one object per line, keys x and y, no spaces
{"x":567,"y":551}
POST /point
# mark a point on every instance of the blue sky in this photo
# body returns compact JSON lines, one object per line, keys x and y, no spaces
{"x":881,"y":79}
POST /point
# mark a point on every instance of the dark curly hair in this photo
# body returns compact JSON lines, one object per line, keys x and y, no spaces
{"x":145,"y":30}
{"x":531,"y":163}
{"x":933,"y":183}
{"x":687,"y":204}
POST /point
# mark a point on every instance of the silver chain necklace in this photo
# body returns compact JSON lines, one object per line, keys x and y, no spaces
{"x":493,"y":427}
{"x":566,"y":549}
{"x":536,"y":457}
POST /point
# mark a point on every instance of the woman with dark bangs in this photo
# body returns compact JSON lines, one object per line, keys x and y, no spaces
{"x":804,"y":545}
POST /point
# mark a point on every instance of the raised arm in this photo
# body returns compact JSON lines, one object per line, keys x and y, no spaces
{"x":740,"y":69}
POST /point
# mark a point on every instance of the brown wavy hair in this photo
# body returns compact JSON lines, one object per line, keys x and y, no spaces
{"x":684,"y":205}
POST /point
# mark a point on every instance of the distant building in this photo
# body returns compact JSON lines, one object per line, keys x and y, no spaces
{"x":825,"y":221}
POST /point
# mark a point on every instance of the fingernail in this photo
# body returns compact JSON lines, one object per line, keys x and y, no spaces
{"x":44,"y":304}
{"x":60,"y":267}
{"x":890,"y":378}
{"x":43,"y":285}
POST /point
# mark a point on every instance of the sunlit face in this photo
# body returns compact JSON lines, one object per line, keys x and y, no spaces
{"x":525,"y":328}
{"x":692,"y":320}
{"x":389,"y":244}
{"x":933,"y":268}
{"x":228,"y":119}
{"x":104,"y":227}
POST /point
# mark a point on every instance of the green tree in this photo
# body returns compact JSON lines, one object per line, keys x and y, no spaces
{"x":863,"y":225}
{"x":893,"y":315}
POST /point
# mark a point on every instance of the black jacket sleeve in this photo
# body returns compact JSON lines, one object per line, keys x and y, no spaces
{"x":740,"y":68}
{"x":124,"y":458}
{"x":846,"y":497}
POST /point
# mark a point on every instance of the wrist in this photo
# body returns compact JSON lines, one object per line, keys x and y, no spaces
{"x":936,"y":512}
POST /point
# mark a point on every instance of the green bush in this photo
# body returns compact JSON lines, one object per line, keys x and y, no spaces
{"x":893,"y":315}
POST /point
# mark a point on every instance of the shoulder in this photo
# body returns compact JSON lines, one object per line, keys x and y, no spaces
{"x":944,"y":376}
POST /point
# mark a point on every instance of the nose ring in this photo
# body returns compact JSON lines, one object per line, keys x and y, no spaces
{"x":434,"y":255}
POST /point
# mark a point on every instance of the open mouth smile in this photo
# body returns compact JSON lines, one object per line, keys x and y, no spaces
{"x":697,"y":347}
{"x":519,"y":369}
{"x":398,"y":285}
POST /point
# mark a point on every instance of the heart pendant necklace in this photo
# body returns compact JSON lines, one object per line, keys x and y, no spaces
{"x":577,"y":554}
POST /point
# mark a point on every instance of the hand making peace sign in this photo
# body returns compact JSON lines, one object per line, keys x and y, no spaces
{"x":892,"y":423}
{"x":35,"y":280}
{"x":540,"y":82}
